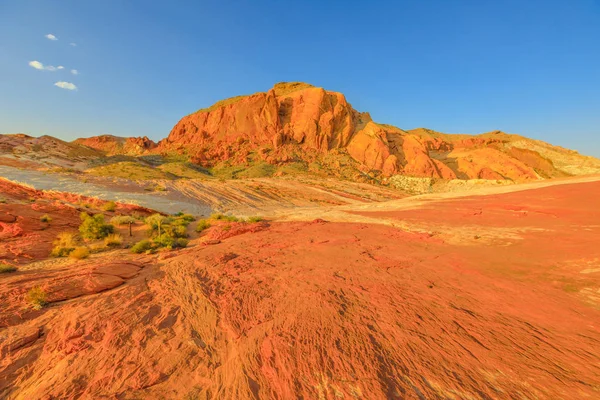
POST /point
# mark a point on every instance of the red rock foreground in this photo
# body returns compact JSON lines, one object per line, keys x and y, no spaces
{"x":328,"y":310}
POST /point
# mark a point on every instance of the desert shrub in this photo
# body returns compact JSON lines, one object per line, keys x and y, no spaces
{"x":6,"y":268}
{"x":36,"y":297}
{"x":254,"y":219}
{"x":64,"y":244}
{"x":110,"y":206}
{"x":182,"y":243}
{"x":177,"y":231}
{"x":156,"y":220}
{"x":93,"y":227}
{"x":180,"y":222}
{"x":170,"y":242}
{"x":187,"y":217}
{"x":202,"y":225}
{"x":79,"y":253}
{"x":142,"y":246}
{"x":227,"y":227}
{"x":122,"y":220}
{"x":223,"y":217}
{"x":45,"y":218}
{"x":113,"y":240}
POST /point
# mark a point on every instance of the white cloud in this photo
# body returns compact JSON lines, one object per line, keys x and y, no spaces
{"x":51,"y":37}
{"x":42,"y":67}
{"x":66,"y":85}
{"x":73,"y":44}
{"x":74,"y":72}
{"x":36,"y":64}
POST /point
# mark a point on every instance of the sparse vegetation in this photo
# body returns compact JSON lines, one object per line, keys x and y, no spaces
{"x":130,"y":170}
{"x":79,"y":253}
{"x":223,"y":217}
{"x":166,"y":232}
{"x":294,"y":168}
{"x":113,"y":240}
{"x":259,"y":170}
{"x":203,"y":224}
{"x":109,"y":206}
{"x":222,"y":103}
{"x":45,"y":218}
{"x":36,"y":297}
{"x":170,"y":242}
{"x":155,"y":222}
{"x":93,"y":226}
{"x":122,"y":220}
{"x":142,"y":246}
{"x":185,"y":170}
{"x":6,"y":268}
{"x":64,"y":244}
{"x":254,"y":219}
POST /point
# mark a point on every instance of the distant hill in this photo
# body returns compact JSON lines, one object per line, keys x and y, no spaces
{"x":297,"y":127}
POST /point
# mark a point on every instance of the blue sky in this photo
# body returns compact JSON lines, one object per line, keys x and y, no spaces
{"x":458,"y":66}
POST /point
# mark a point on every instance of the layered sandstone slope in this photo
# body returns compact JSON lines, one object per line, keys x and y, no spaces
{"x":24,"y":151}
{"x":305,"y":120}
{"x":323,"y":310}
{"x":112,"y":145}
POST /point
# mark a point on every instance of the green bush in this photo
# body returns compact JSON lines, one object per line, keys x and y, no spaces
{"x":187,"y":217}
{"x":110,"y":206}
{"x":45,"y":218}
{"x":122,"y":220}
{"x":93,"y":227}
{"x":180,"y":222}
{"x":254,"y":219}
{"x":113,"y":240}
{"x":156,"y":220}
{"x":6,"y":268}
{"x":141,"y":246}
{"x":223,"y":217}
{"x":202,"y":225}
{"x":64,"y":244}
{"x":170,"y":242}
{"x":79,"y":253}
{"x":36,"y":296}
{"x":176,"y":231}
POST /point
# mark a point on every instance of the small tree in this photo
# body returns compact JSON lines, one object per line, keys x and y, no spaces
{"x":156,"y":221}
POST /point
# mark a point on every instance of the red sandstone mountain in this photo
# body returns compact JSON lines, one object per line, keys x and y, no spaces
{"x":300,"y":122}
{"x":313,"y":120}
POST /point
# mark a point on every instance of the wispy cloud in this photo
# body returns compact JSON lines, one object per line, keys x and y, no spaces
{"x":73,"y":44}
{"x":51,"y":37}
{"x":74,"y":72}
{"x":66,"y":85}
{"x":42,"y":67}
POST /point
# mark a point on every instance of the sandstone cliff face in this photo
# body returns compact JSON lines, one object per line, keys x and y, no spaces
{"x":316,"y":121}
{"x":310,"y":117}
